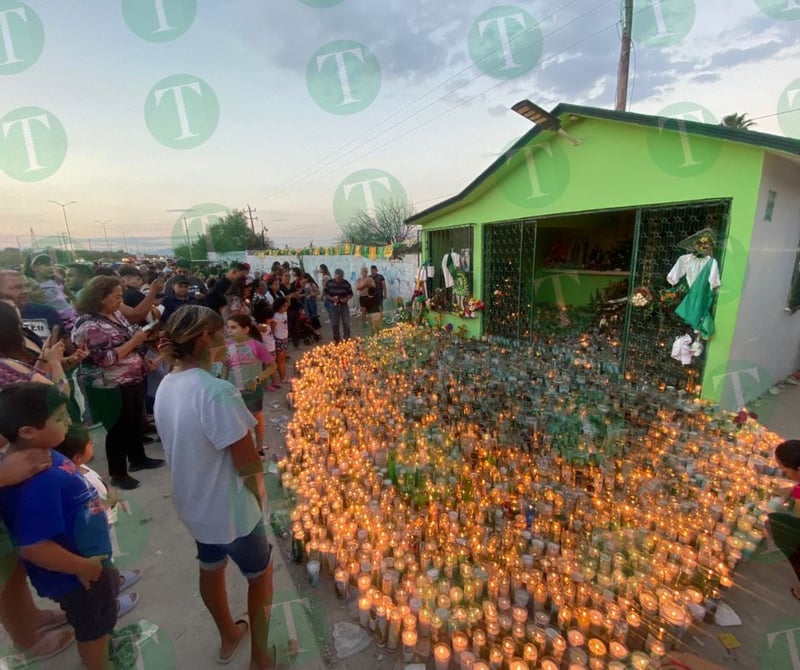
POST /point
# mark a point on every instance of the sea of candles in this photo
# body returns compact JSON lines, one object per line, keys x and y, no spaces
{"x":517,"y":507}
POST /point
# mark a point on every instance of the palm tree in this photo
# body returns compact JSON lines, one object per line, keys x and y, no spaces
{"x":737,"y":121}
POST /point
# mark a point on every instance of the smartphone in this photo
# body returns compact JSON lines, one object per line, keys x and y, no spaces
{"x":55,"y":335}
{"x":147,"y":328}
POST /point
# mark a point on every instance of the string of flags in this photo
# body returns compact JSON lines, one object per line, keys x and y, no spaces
{"x":339,"y":250}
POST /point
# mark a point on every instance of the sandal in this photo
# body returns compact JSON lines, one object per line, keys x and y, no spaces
{"x":126,"y":603}
{"x":50,"y":644}
{"x":128,"y":578}
{"x":55,"y":619}
{"x":224,"y":660}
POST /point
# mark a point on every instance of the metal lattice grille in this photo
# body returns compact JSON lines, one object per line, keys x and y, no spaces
{"x":650,"y":332}
{"x":441,"y":242}
{"x":509,"y":254}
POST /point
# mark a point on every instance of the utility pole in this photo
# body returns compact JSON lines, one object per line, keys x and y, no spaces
{"x":63,"y":207}
{"x":250,"y":216}
{"x":105,"y":230}
{"x":188,"y":241}
{"x":33,"y":239}
{"x":624,"y":59}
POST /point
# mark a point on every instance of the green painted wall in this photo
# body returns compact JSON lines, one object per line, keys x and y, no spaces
{"x":617,"y":166}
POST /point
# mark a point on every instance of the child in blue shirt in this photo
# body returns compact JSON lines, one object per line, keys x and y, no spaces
{"x":57,"y":522}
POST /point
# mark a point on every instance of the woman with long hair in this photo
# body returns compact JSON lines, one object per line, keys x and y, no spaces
{"x":217,"y":477}
{"x":325,"y":277}
{"x":19,"y":363}
{"x":114,"y":377}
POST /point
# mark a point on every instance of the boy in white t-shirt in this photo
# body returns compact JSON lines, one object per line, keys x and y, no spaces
{"x":79,"y":448}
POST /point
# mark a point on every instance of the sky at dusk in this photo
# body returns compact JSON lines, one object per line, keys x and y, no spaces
{"x":141,"y":111}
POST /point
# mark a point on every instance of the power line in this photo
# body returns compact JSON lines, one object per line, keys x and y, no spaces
{"x":454,"y":107}
{"x":769,"y":116}
{"x":312,"y":168}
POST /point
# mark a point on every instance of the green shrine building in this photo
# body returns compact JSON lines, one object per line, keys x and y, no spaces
{"x":578,"y":224}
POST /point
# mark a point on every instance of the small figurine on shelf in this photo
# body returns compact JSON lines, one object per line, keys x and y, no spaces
{"x":701,"y":271}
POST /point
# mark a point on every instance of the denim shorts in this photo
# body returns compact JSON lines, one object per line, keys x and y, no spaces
{"x":251,"y":553}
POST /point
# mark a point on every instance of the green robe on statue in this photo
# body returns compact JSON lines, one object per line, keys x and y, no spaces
{"x":695,"y":308}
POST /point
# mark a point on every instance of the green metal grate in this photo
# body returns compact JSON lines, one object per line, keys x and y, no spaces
{"x":649,"y":333}
{"x":509,"y":253}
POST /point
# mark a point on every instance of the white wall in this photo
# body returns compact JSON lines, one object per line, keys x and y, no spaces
{"x":767,"y":337}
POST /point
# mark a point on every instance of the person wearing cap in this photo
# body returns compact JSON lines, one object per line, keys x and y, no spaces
{"x":40,"y":268}
{"x":179,"y":297}
{"x":339,"y":292}
{"x":132,"y":280}
{"x":196,"y":286}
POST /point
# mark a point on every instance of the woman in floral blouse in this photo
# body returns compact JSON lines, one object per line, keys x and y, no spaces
{"x":114,"y":374}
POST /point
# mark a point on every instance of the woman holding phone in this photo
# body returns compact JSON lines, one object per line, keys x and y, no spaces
{"x":114,"y":376}
{"x":18,"y":363}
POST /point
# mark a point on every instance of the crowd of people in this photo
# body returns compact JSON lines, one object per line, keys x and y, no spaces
{"x":141,"y":349}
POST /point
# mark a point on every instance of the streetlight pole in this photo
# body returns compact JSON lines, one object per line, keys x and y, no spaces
{"x":105,"y":230}
{"x":63,"y":207}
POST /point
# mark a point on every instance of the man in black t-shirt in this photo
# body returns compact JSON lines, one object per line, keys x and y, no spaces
{"x":339,"y":291}
{"x":132,"y":280}
{"x":380,"y":286}
{"x":237,"y":272}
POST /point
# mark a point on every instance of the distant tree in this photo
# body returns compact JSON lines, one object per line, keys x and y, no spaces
{"x":233,"y":233}
{"x":737,"y":121}
{"x":386,"y":226}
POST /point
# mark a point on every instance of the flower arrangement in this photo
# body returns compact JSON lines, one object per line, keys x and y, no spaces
{"x":641,"y":297}
{"x":742,"y":417}
{"x":471,"y":308}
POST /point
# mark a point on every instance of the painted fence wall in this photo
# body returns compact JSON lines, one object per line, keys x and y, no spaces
{"x":400,"y":274}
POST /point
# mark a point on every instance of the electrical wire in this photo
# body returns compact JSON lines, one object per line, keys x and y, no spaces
{"x":448,"y":110}
{"x":291,"y":184}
